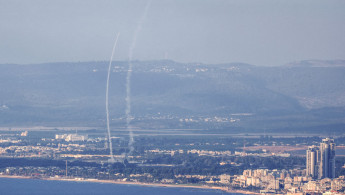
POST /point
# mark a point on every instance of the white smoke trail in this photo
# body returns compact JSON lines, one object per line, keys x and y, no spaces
{"x":128,"y":79}
{"x":111,"y":160}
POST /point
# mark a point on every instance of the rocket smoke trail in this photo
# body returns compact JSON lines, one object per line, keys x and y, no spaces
{"x":111,"y":160}
{"x":128,"y":79}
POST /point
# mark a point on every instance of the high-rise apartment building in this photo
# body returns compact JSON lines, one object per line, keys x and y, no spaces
{"x":313,"y":159}
{"x":327,"y":161}
{"x":320,"y":160}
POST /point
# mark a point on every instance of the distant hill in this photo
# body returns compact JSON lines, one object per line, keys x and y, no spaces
{"x":74,"y":93}
{"x":318,"y":63}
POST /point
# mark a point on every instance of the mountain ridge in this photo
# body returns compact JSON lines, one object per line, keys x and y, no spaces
{"x":75,"y":92}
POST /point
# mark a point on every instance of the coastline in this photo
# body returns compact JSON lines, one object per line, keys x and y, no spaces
{"x":224,"y":189}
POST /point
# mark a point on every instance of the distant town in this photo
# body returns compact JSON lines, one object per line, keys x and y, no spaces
{"x":244,"y":163}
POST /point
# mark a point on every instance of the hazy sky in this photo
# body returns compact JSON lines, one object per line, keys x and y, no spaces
{"x":260,"y":32}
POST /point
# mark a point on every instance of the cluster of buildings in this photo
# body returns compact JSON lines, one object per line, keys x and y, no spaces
{"x":194,"y":151}
{"x":208,"y":119}
{"x":265,"y":154}
{"x":217,"y":153}
{"x":9,"y":140}
{"x":71,"y":137}
{"x":26,"y":151}
{"x":47,"y":151}
{"x":284,"y":182}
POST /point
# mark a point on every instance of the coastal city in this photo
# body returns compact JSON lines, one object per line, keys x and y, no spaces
{"x":265,"y":164}
{"x":151,"y":97}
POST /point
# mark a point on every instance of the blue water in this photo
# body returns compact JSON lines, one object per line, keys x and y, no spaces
{"x":9,"y":186}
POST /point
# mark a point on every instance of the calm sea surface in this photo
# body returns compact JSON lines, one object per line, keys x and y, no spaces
{"x":10,"y":186}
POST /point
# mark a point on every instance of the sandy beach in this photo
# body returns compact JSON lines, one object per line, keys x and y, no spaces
{"x":224,"y":189}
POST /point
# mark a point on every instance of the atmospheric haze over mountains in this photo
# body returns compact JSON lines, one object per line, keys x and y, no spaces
{"x":308,"y":95}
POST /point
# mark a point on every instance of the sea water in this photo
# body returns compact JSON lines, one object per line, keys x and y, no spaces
{"x":9,"y":186}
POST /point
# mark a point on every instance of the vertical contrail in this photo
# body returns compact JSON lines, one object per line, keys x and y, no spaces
{"x":128,"y":78}
{"x":111,"y":160}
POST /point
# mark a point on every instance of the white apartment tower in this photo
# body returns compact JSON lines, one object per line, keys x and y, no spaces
{"x":313,"y":159}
